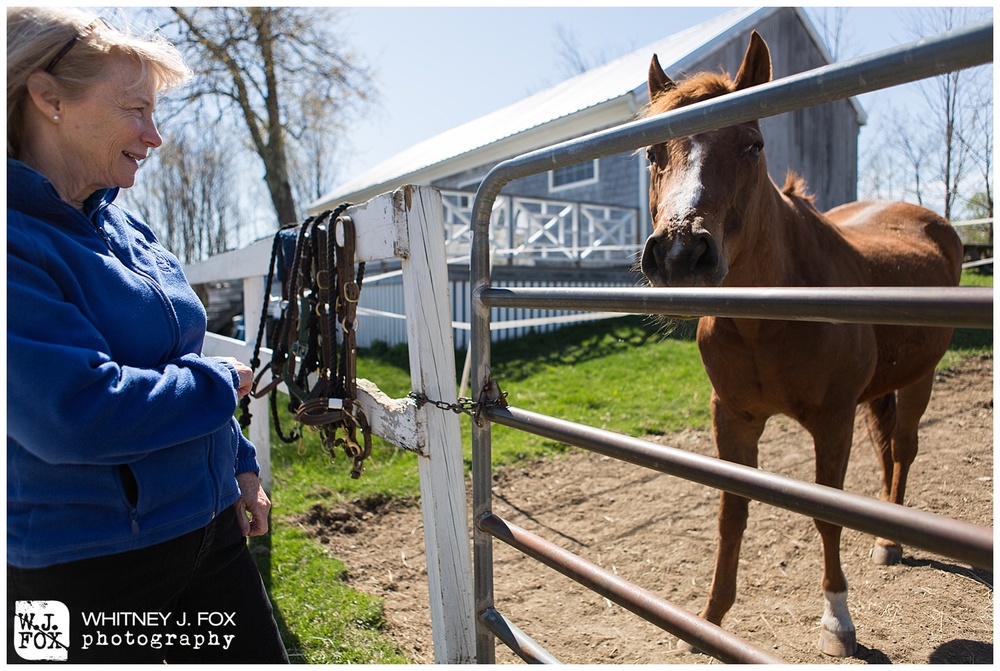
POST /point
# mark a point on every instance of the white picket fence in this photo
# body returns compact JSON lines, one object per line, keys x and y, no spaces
{"x":528,"y":229}
{"x":553,"y":233}
{"x":405,"y":225}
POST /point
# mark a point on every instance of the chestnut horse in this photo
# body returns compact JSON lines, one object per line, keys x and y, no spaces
{"x":719,"y":220}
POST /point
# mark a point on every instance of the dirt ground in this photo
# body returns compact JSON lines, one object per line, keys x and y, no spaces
{"x":660,"y":533}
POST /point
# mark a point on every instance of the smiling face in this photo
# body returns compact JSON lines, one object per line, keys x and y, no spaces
{"x":105,"y":135}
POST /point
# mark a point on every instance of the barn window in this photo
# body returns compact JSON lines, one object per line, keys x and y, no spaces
{"x":571,"y":176}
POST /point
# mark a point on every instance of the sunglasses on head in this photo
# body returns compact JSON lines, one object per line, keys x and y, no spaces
{"x":91,"y":27}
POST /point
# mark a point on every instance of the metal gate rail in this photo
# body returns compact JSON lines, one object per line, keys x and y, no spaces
{"x":935,"y":533}
{"x":955,"y":50}
{"x":968,"y":307}
{"x":708,"y":637}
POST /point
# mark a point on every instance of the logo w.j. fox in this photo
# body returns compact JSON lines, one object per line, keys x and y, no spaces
{"x":41,"y":630}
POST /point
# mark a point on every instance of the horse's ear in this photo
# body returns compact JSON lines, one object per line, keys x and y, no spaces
{"x":658,"y":79}
{"x":756,"y":67}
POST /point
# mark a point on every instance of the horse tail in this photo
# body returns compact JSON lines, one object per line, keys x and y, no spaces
{"x":879,"y":419}
{"x":795,"y":187}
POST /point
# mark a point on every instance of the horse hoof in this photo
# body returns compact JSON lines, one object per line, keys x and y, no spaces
{"x":838,"y":643}
{"x":888,"y":554}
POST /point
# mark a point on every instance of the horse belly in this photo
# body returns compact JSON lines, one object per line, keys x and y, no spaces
{"x":902,"y":245}
{"x":764,"y":368}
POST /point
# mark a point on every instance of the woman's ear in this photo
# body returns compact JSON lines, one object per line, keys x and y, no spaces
{"x":43,"y":90}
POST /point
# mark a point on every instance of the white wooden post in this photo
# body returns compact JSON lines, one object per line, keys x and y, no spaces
{"x":442,"y":481}
{"x":406,"y":224}
{"x":417,"y":238}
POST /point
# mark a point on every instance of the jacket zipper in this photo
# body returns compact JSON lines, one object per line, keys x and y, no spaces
{"x":133,"y":511}
{"x":94,"y":220}
{"x":149,"y":280}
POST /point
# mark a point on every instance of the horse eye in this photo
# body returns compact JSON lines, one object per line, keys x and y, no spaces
{"x":650,"y":156}
{"x":753,"y":151}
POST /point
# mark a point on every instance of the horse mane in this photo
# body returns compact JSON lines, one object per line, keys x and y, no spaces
{"x":693,"y":89}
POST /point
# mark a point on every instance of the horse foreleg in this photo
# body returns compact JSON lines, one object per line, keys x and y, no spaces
{"x":736,"y":439}
{"x":899,"y":449}
{"x":733,"y":512}
{"x":837,"y":636}
{"x":832,"y":438}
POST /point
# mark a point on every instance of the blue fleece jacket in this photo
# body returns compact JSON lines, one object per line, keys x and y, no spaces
{"x":120,"y":434}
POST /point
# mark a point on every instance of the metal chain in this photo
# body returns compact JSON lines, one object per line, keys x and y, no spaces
{"x":465,"y":405}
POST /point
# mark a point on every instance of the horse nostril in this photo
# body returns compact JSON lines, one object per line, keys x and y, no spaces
{"x":688,"y":260}
{"x":704,"y":253}
{"x":649,"y":264}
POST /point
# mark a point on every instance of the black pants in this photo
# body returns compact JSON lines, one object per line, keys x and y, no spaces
{"x":198,"y":598}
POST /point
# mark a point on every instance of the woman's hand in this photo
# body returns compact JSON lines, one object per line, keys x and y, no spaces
{"x":245,"y":373}
{"x":253,"y":502}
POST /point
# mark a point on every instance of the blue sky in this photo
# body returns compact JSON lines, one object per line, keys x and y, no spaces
{"x":438,"y":67}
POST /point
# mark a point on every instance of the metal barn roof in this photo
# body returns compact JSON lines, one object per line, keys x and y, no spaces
{"x":543,"y":118}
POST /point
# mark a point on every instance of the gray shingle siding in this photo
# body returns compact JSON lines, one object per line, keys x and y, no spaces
{"x":616,"y":185}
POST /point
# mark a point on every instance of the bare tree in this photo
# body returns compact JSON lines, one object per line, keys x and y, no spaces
{"x":935,"y":143}
{"x":952,"y":100}
{"x":832,"y":25}
{"x":978,"y":140}
{"x":188,"y":197}
{"x":574,"y":61}
{"x":282,"y":71}
{"x":913,"y":150}
{"x":312,"y":163}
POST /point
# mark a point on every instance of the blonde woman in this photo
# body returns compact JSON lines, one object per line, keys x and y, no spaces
{"x":130,"y":488}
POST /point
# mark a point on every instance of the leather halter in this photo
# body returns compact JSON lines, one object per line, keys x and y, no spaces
{"x":320,"y":292}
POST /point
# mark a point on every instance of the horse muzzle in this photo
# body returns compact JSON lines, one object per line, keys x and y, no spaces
{"x":683,"y":259}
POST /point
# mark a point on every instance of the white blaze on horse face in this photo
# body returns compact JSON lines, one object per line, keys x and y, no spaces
{"x":681,"y":196}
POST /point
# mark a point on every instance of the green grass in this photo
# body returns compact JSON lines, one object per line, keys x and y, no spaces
{"x":974,"y":278}
{"x":969,"y":342}
{"x":322,"y":620}
{"x":620,"y":374}
{"x":610,"y":375}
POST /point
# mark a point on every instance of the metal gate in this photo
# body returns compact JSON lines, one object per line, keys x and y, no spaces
{"x":968,"y":307}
